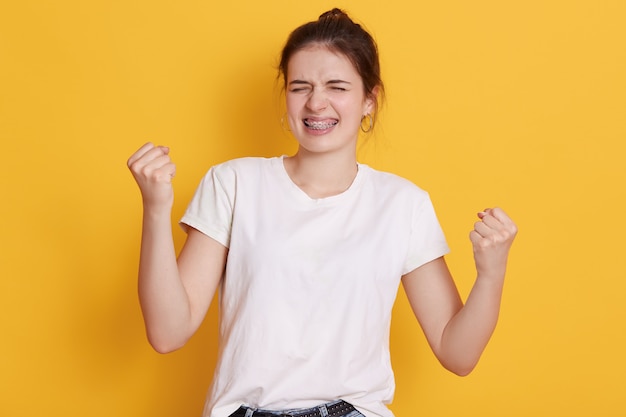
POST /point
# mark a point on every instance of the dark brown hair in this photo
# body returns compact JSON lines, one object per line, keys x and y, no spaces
{"x":337,"y":32}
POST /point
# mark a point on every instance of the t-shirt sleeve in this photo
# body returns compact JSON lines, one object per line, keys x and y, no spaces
{"x":427,"y":241}
{"x":211,"y":209}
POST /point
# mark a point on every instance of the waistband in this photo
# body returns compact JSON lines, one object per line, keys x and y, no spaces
{"x":335,"y":409}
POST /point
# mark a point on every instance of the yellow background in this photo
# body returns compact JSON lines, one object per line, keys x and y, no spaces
{"x":517,"y":104}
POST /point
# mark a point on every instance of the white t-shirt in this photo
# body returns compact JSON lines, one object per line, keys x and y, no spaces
{"x":306,"y":300}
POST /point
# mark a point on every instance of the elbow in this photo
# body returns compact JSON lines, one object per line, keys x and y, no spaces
{"x":164,"y":345}
{"x":167,"y":337}
{"x":458,"y":358}
{"x":460,"y":368}
{"x":461,"y":371}
{"x":163,"y":349}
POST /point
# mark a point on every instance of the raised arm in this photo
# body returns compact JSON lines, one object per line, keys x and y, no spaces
{"x":458,"y":333}
{"x":174,"y":294}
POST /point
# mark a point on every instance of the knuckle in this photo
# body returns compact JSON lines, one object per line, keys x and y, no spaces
{"x":135,"y":168}
{"x":145,"y":171}
{"x":161,"y":177}
{"x":484,"y":244}
{"x":509,"y":233}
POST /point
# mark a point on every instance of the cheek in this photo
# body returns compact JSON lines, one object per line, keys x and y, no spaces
{"x":351,"y":107}
{"x":293,"y":105}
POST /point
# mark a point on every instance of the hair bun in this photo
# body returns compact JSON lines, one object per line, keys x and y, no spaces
{"x":333,"y":14}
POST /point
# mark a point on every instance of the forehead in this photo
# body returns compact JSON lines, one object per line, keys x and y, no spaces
{"x":320,"y":63}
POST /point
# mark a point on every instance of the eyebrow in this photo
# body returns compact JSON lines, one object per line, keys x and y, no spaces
{"x":299,"y":82}
{"x":338,"y":82}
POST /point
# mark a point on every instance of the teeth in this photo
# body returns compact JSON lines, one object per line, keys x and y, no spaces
{"x":319,"y":125}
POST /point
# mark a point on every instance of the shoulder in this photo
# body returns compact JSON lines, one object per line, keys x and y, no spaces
{"x":388,"y":183}
{"x":241,"y":168}
{"x":244,"y":164}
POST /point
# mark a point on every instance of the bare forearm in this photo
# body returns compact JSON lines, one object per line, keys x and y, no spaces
{"x":458,"y":333}
{"x":468,"y":332}
{"x":164,"y":302}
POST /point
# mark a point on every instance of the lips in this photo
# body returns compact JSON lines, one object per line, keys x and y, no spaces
{"x":320,"y":124}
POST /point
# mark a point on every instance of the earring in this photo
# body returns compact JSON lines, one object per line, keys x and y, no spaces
{"x":282,"y":123}
{"x":370,"y":123}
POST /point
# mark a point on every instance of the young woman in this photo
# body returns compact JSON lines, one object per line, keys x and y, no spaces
{"x":309,"y":250}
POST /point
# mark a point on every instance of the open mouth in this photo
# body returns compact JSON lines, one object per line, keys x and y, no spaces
{"x":320,"y":125}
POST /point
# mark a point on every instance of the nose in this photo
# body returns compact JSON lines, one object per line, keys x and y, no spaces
{"x":317,"y":101}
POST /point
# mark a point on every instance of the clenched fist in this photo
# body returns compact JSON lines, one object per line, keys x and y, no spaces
{"x":491,"y":239}
{"x":153,"y":170}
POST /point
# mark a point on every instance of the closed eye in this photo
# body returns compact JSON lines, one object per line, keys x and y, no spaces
{"x":338,"y":85}
{"x":297,"y":86}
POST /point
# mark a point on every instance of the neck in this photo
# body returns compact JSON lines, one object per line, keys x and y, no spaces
{"x":323,"y":175}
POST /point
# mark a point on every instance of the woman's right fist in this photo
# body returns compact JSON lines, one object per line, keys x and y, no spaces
{"x":153,"y":170}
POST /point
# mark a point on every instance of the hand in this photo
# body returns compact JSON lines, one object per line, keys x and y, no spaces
{"x":153,"y":170}
{"x":491,"y":239}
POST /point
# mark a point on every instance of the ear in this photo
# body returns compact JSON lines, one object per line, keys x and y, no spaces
{"x":371,"y":101}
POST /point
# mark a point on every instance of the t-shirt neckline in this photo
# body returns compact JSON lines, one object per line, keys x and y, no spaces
{"x":303,"y":197}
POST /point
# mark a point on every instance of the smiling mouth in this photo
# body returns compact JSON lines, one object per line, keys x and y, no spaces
{"x":315,"y":125}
